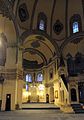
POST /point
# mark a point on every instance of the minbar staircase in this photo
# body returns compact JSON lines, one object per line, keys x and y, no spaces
{"x":78,"y":108}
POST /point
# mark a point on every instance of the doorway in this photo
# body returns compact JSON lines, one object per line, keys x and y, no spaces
{"x":73,"y":95}
{"x":8,"y":102}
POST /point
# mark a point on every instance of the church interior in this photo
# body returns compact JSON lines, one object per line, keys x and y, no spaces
{"x":42,"y":53}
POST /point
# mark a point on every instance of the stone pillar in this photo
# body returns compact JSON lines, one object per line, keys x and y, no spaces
{"x":19,"y":90}
{"x":19,"y":80}
{"x":69,"y":97}
{"x":77,"y":92}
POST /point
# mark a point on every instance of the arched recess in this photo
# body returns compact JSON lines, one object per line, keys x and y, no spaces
{"x":40,"y":33}
{"x":38,"y":52}
{"x":78,"y":37}
{"x":73,"y":95}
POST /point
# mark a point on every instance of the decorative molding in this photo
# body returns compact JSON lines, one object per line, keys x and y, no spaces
{"x":23,"y":12}
{"x":9,"y":74}
{"x":58,"y":27}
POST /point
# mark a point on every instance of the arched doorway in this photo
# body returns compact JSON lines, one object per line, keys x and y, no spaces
{"x":51,"y":94}
{"x":73,"y":95}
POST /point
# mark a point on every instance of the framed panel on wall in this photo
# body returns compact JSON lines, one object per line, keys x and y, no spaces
{"x":56,"y":94}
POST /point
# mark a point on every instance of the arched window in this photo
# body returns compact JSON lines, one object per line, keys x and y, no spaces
{"x":39,"y":77}
{"x":42,"y":22}
{"x":41,"y":25}
{"x":28,"y":78}
{"x":75,"y":24}
{"x":75,"y":27}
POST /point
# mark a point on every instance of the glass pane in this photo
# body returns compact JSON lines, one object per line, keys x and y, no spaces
{"x":75,"y":27}
{"x":28,"y":78}
{"x":40,"y":77}
{"x":41,"y":25}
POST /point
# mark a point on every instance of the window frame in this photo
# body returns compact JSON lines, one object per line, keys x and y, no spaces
{"x":75,"y":18}
{"x":75,"y":27}
{"x":28,"y":78}
{"x":42,"y":16}
{"x":40,"y":73}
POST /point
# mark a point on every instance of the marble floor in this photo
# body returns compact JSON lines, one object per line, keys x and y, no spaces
{"x":39,"y":115}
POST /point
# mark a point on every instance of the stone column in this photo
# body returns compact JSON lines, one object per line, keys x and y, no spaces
{"x":19,"y":80}
{"x":77,"y":92}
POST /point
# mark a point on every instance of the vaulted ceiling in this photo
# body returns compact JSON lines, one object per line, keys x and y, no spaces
{"x":39,"y":47}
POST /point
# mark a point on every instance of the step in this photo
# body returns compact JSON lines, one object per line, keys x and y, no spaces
{"x":77,"y":108}
{"x":75,"y":105}
{"x":39,"y":106}
{"x":51,"y":108}
{"x":79,"y":111}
